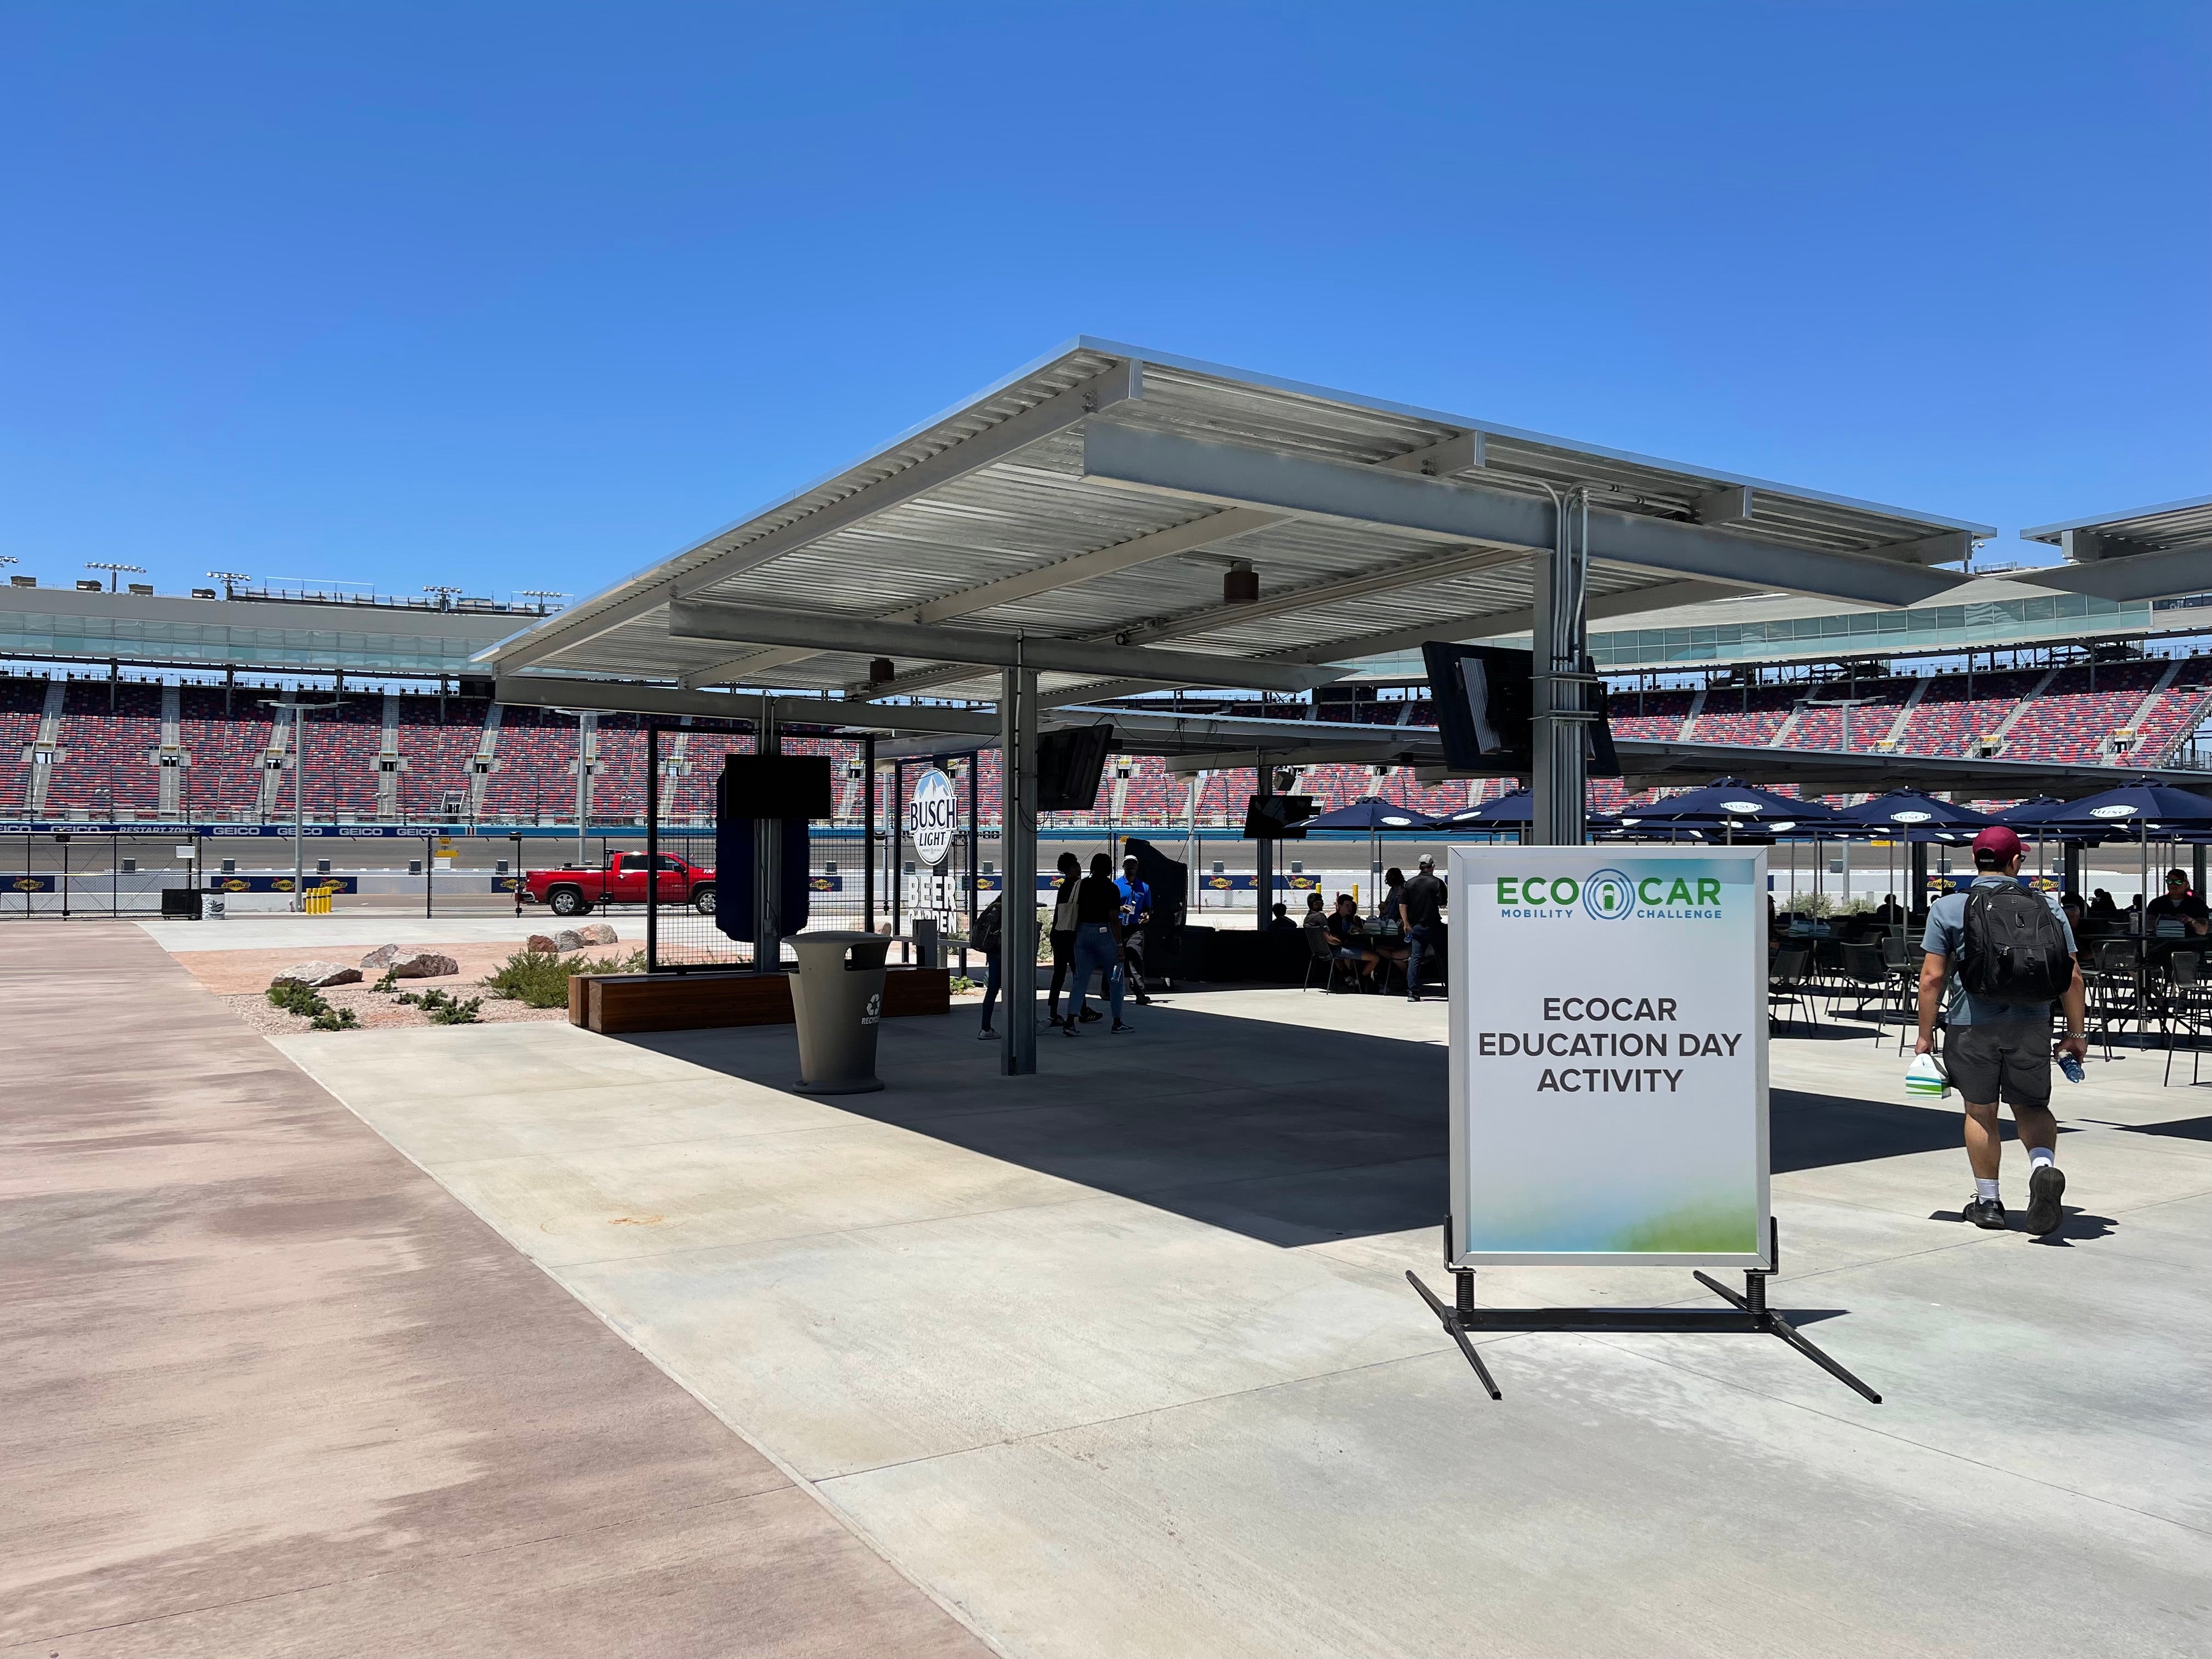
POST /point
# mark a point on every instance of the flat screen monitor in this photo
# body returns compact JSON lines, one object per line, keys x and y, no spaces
{"x":1279,"y":818}
{"x":1485,"y":698}
{"x":1070,"y":763}
{"x":776,"y":786}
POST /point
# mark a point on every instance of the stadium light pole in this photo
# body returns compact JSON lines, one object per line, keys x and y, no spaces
{"x":299,"y":784}
{"x":230,"y":580}
{"x":583,"y":718}
{"x":113,"y":570}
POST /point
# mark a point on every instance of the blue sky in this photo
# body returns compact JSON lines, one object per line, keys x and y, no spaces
{"x":518,"y":296}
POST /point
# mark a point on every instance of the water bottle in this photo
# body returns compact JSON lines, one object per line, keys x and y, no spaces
{"x":2071,"y":1067}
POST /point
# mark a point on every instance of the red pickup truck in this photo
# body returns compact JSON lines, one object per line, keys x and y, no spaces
{"x":570,"y":891}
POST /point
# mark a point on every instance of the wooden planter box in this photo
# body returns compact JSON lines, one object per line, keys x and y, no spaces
{"x":613,"y":1003}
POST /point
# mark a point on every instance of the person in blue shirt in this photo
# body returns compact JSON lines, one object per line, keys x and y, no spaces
{"x":1999,"y":1050}
{"x":1136,"y":911}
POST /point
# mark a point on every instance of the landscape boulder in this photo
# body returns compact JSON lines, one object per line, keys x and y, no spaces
{"x":540,"y":944}
{"x":598,"y":932}
{"x":420,"y":964}
{"x":568,"y":939}
{"x":378,"y":959}
{"x":317,"y":976}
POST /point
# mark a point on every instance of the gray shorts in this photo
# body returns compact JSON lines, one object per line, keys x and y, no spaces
{"x":2008,"y":1060}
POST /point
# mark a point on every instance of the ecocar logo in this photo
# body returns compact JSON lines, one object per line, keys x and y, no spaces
{"x":1609,"y":896}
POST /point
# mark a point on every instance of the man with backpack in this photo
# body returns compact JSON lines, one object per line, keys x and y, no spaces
{"x":2009,"y":955}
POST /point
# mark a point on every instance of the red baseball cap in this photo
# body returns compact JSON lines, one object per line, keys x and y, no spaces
{"x":1999,"y":843}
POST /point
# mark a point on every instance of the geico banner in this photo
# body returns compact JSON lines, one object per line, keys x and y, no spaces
{"x":1608,"y":1055}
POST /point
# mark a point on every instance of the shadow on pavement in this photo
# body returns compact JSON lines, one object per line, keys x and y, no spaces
{"x":1286,"y":1134}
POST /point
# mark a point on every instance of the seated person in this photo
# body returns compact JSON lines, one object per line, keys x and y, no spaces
{"x":1317,"y":919}
{"x":2177,"y":913}
{"x":1390,"y":944}
{"x":1282,"y":923}
{"x":2077,"y":911}
{"x":1889,"y":913}
{"x":2102,"y":911}
{"x":1347,"y":935}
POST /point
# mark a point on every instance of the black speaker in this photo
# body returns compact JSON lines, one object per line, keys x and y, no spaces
{"x":1069,"y":766}
{"x":471,"y":686}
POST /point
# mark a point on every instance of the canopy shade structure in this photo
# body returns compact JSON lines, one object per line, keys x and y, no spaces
{"x":1091,"y":506}
{"x":2150,"y":553}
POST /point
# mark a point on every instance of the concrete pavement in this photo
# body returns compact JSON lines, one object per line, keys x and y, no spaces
{"x":1120,"y":1359}
{"x":266,"y":1389}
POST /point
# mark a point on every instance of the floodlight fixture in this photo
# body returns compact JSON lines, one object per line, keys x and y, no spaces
{"x":445,"y":596}
{"x":113,"y":570}
{"x":229,"y":579}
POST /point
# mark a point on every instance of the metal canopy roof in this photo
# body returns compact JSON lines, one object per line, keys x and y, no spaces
{"x":2151,"y":553}
{"x":1093,"y":500}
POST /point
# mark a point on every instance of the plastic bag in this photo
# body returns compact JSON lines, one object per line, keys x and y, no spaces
{"x":1925,"y":1078}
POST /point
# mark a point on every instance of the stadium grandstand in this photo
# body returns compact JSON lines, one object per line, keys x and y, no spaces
{"x":135,"y":707}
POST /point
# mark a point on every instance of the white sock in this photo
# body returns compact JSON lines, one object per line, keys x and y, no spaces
{"x":1984,"y":1188}
{"x":2041,"y":1155}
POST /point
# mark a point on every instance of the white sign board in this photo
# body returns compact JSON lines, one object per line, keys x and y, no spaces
{"x":932,"y":816}
{"x":1608,"y":1055}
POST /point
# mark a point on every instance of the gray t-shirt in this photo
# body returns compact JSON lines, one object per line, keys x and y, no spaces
{"x":1946,"y":936}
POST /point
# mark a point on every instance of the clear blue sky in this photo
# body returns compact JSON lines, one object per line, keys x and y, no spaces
{"x":530,"y":295}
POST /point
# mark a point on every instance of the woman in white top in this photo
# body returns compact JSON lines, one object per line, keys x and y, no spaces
{"x":1063,"y":932}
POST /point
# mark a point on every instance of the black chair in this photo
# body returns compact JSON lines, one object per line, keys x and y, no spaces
{"x":1326,"y":962}
{"x":1788,"y":980}
{"x":2187,"y":1001}
{"x":1867,"y":976}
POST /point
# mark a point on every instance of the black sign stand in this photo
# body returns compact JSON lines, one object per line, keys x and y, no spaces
{"x":1748,"y":1312}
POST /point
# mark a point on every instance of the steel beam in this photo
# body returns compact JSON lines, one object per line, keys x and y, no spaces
{"x":1461,"y":453}
{"x":695,"y":619}
{"x":1491,"y":624}
{"x":1191,"y":469}
{"x":633,"y":697}
{"x":2132,"y":577}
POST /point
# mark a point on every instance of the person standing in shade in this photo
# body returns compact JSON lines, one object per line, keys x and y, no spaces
{"x":1421,"y":901}
{"x":1097,"y":942}
{"x":1063,"y":936}
{"x":1996,"y":1048}
{"x":1136,"y":915}
{"x":984,"y":934}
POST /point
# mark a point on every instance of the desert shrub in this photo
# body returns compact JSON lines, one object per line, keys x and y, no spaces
{"x":311,"y":1005}
{"x":539,"y":979}
{"x":443,"y":1009}
{"x":294,"y":998}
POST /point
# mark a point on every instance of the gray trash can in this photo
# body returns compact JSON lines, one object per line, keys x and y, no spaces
{"x":837,"y":997}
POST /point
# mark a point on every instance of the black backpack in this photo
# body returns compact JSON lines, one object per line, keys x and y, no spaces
{"x":2016,"y":949}
{"x":983,"y":932}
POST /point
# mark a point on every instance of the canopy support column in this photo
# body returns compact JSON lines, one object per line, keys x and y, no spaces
{"x":768,"y":856}
{"x":1560,"y":787}
{"x":1018,"y":813}
{"x":1263,"y":850}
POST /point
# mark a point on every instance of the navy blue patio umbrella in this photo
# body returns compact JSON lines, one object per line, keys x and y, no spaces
{"x":1913,"y":815}
{"x":1374,"y":813}
{"x":1729,"y":807}
{"x":1377,"y":817}
{"x":2140,"y":811}
{"x":1516,"y":810}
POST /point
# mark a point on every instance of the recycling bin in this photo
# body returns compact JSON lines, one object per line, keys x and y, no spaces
{"x":837,"y":998}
